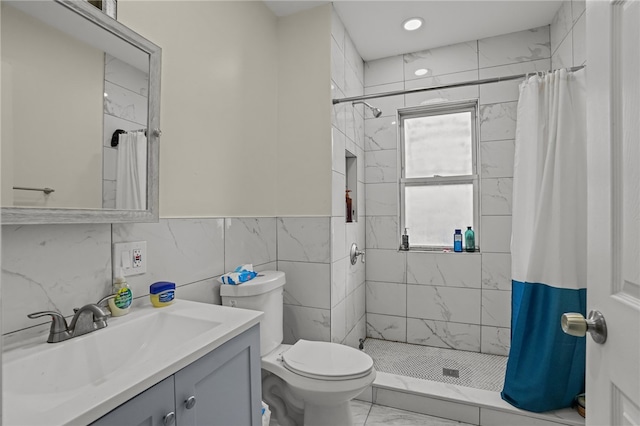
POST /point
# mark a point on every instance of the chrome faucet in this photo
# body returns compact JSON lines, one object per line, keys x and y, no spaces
{"x":85,"y":320}
{"x":89,"y":318}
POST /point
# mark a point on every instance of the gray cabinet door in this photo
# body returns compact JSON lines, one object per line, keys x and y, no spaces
{"x":225,"y":383}
{"x":147,"y":409}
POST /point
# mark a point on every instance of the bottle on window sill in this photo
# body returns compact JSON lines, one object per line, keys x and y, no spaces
{"x":405,"y":241}
{"x":457,"y":241}
{"x":469,"y":240}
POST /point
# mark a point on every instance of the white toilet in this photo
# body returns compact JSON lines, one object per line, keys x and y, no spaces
{"x":310,"y":380}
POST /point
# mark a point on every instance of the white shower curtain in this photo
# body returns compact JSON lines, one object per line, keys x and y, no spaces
{"x":545,"y":370}
{"x":131,"y":178}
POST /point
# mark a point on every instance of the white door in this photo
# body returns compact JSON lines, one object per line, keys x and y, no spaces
{"x":613,"y":215}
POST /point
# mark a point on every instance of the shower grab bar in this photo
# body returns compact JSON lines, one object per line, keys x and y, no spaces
{"x":45,"y":190}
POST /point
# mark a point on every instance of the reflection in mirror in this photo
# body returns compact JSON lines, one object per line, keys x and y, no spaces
{"x":125,"y":115}
{"x":51,"y":115}
{"x":67,"y":86}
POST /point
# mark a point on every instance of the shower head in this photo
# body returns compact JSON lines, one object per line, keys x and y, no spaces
{"x":375,"y":111}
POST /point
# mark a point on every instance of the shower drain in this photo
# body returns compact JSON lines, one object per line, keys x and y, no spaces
{"x":463,"y":368}
{"x":451,"y":372}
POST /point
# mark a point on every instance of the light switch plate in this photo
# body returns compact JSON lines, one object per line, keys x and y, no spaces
{"x":129,"y":258}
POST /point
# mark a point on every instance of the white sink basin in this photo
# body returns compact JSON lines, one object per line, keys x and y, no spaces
{"x":91,"y":359}
{"x":81,"y":379}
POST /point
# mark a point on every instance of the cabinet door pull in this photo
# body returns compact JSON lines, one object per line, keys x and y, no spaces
{"x":190,"y":402}
{"x":169,"y":419}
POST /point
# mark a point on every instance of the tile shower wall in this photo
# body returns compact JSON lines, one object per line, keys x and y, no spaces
{"x":347,"y":301}
{"x":125,"y":107}
{"x":568,"y":35}
{"x":449,"y":300}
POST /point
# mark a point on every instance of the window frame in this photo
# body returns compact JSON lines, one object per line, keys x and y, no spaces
{"x":474,"y":178}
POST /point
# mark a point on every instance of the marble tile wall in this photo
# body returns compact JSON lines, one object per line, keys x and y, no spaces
{"x":304,"y":254}
{"x":568,"y":34}
{"x":59,"y":267}
{"x":449,"y":300}
{"x":125,"y":108}
{"x":347,"y":300}
{"x":51,"y":267}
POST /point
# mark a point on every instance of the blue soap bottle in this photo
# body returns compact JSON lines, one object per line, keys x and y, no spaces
{"x":457,"y":241}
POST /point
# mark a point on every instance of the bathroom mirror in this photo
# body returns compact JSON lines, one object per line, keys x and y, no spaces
{"x":71,"y":77}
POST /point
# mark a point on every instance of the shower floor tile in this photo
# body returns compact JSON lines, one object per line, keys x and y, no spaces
{"x":474,"y":370}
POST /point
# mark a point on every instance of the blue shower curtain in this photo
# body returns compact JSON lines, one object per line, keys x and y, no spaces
{"x":546,"y":367}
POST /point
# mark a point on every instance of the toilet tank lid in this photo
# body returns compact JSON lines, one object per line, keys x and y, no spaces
{"x":263,"y":283}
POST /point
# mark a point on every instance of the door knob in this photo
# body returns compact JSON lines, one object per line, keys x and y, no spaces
{"x":575,"y":324}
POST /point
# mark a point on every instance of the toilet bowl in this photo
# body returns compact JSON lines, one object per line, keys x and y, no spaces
{"x":317,"y":378}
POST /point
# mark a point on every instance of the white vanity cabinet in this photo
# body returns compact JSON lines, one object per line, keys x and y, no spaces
{"x":221,"y":388}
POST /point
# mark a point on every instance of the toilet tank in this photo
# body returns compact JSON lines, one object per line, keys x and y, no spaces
{"x":263,"y":293}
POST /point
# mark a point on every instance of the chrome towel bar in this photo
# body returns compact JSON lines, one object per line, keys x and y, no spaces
{"x":45,"y":190}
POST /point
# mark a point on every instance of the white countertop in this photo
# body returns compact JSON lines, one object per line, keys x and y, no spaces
{"x":79,"y":380}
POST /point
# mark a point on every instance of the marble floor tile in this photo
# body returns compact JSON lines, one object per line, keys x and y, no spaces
{"x":360,"y":411}
{"x":368,"y":414}
{"x":386,"y":416}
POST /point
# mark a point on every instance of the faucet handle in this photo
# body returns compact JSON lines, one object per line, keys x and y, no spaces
{"x":59,"y":329}
{"x":59,"y":322}
{"x":104,"y":299}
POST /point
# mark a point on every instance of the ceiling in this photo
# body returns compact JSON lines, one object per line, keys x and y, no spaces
{"x":376,"y":26}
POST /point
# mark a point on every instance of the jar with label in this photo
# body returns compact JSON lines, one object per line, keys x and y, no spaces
{"x":162,"y":293}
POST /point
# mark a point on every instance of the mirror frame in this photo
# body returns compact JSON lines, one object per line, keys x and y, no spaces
{"x":34,"y":215}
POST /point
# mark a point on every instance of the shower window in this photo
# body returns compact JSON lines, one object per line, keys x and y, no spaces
{"x":438,"y":173}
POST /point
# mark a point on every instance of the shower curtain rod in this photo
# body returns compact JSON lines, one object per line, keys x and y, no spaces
{"x":446,"y":86}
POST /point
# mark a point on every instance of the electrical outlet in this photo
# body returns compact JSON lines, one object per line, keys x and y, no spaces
{"x":137,"y":258}
{"x":130,"y":258}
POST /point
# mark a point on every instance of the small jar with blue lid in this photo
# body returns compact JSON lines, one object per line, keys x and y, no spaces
{"x":162,"y":293}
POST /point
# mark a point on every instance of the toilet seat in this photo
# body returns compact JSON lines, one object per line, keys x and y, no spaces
{"x":326,"y":361}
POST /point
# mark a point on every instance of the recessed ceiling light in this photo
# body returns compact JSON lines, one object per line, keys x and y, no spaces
{"x":422,"y":71}
{"x":412,"y":24}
